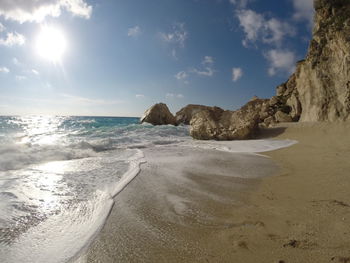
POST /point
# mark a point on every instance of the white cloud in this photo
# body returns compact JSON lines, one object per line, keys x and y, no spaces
{"x":172,"y":95}
{"x":4,"y":70}
{"x":12,"y":39}
{"x":208,"y":72}
{"x":274,"y":31}
{"x":208,"y":60}
{"x":237,"y":73}
{"x":139,"y":96}
{"x":134,"y":31}
{"x":20,"y":78}
{"x":35,"y":72}
{"x":2,"y":27}
{"x":181,"y":75}
{"x":37,"y":10}
{"x":16,"y":61}
{"x":173,"y":53}
{"x":177,"y":36}
{"x":251,"y":22}
{"x":258,"y":28}
{"x":304,"y":10}
{"x":280,"y":61}
{"x":207,"y":67}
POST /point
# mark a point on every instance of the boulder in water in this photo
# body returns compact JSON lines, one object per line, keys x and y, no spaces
{"x":158,"y":114}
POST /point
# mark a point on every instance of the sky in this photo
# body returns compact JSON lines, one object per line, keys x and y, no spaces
{"x":119,"y":57}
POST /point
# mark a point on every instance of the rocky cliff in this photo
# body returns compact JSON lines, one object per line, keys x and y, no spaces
{"x":319,"y":90}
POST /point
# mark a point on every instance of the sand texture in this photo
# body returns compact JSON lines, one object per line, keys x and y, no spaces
{"x":191,"y":211}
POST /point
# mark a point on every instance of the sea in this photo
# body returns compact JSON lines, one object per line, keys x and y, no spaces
{"x":59,"y":176}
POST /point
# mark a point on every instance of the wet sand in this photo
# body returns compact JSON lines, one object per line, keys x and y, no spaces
{"x":195,"y":210}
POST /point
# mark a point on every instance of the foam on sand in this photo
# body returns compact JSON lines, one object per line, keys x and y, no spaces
{"x":244,"y":146}
{"x":68,"y":229}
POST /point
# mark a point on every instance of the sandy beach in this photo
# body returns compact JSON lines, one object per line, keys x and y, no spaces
{"x":299,"y":213}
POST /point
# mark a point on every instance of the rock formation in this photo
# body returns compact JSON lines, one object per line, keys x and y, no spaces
{"x":185,"y":115}
{"x":158,"y":114}
{"x":319,"y":90}
{"x":226,"y":125}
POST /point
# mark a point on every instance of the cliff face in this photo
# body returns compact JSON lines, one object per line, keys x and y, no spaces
{"x":319,"y":90}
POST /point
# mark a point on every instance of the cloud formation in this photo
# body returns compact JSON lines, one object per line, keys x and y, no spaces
{"x":280,"y":61}
{"x":37,"y":10}
{"x":208,"y":60}
{"x":208,"y":72}
{"x":181,"y":75}
{"x":237,"y":73}
{"x":4,"y":70}
{"x":177,"y":36}
{"x":134,"y":31}
{"x":207,"y":67}
{"x":16,"y":61}
{"x":258,"y":28}
{"x":35,"y":72}
{"x":304,"y":10}
{"x":139,"y":96}
{"x":12,"y":39}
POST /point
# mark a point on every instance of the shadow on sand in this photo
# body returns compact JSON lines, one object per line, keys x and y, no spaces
{"x":265,"y":133}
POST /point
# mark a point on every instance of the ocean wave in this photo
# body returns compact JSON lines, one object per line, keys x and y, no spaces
{"x":16,"y":156}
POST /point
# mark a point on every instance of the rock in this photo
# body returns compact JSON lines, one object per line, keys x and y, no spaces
{"x":227,"y":125}
{"x":282,"y":117}
{"x":295,"y":107}
{"x":281,"y":89}
{"x":158,"y":114}
{"x":341,"y":259}
{"x":269,"y":121}
{"x":319,"y":90}
{"x":273,"y":101}
{"x":254,"y":98}
{"x":257,"y":107}
{"x":185,"y":115}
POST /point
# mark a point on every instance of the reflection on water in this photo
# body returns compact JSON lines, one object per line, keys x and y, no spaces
{"x":33,"y":195}
{"x":38,"y":129}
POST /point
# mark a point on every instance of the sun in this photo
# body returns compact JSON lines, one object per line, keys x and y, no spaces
{"x":51,"y":43}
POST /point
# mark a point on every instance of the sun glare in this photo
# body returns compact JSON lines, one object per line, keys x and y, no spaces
{"x":51,"y":43}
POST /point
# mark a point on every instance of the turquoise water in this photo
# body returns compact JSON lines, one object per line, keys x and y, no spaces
{"x":35,"y":139}
{"x":58,"y":176}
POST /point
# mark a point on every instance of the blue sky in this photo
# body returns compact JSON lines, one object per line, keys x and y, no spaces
{"x":122,"y":56}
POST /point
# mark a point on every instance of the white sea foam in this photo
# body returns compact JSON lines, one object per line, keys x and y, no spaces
{"x":243,"y":146}
{"x":68,"y":230}
{"x":60,"y":237}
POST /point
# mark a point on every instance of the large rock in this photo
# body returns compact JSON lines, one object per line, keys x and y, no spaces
{"x":227,"y":125}
{"x":280,"y":116}
{"x":257,"y":107}
{"x":158,"y":114}
{"x":319,"y":90}
{"x":185,"y":115}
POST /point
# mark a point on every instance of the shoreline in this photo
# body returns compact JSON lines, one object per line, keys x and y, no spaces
{"x":182,"y":194}
{"x":283,"y":218}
